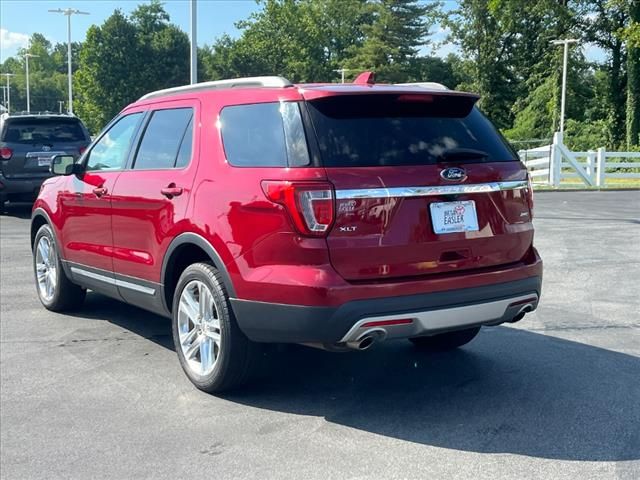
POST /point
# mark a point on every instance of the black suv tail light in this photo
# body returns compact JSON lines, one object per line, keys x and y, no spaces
{"x":5,"y":153}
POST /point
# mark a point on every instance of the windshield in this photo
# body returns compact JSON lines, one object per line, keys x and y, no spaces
{"x":43,"y":130}
{"x":392,"y":130}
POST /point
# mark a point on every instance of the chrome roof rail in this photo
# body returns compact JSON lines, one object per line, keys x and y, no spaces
{"x":248,"y":82}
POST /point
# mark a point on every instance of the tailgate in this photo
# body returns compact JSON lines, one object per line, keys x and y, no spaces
{"x":423,"y":186}
{"x":388,"y":229}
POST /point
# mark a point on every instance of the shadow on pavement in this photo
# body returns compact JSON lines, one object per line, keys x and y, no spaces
{"x":509,"y":391}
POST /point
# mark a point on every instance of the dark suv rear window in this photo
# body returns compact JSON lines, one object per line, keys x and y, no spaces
{"x":43,"y":130}
{"x":393,"y":130}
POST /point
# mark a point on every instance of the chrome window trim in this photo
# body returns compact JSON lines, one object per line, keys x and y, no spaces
{"x":430,"y":191}
{"x":113,"y":281}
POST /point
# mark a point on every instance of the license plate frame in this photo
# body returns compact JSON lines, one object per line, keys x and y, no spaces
{"x":454,"y":217}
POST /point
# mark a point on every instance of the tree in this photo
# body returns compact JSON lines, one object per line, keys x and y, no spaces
{"x":632,"y":36}
{"x":125,"y":58}
{"x":600,"y":22}
{"x":312,"y":40}
{"x":397,"y":29}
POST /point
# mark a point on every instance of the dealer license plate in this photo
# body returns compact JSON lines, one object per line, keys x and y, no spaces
{"x":451,"y":217}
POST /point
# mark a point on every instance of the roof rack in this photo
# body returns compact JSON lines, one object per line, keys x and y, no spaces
{"x":24,"y":113}
{"x":248,"y":82}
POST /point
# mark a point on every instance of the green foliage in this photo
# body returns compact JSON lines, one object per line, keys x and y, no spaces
{"x":632,"y":36}
{"x":47,"y":83}
{"x":126,"y":57}
{"x":303,"y":40}
{"x":396,"y":29}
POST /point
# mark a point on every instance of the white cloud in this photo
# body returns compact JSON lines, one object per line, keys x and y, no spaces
{"x":12,"y":40}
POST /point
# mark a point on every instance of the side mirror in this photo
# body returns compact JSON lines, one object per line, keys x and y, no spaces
{"x":63,"y":165}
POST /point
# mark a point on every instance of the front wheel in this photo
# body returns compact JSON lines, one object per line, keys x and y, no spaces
{"x":213,"y":351}
{"x":55,"y":290}
{"x":445,"y":341}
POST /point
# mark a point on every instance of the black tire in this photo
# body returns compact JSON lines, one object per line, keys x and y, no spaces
{"x":236,"y":354}
{"x":445,"y":341}
{"x":66,"y":295}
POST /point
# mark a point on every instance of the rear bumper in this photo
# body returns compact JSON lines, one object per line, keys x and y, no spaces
{"x":24,"y":188}
{"x":429,"y":313}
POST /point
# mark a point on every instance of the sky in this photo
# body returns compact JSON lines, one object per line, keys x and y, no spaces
{"x":19,"y":19}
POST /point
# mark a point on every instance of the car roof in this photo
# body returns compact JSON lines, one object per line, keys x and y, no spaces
{"x":39,"y":115}
{"x":268,"y":88}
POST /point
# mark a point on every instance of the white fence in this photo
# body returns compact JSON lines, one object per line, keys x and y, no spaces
{"x":554,"y":163}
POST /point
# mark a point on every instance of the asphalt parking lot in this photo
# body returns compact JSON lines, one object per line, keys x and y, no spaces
{"x":100,"y":393}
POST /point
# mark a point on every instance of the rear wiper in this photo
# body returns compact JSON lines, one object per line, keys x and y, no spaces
{"x":455,"y":153}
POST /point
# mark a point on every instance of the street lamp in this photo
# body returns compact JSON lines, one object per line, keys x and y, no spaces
{"x":8,"y":87}
{"x":26,"y":66}
{"x":566,"y":43}
{"x":342,"y":71}
{"x":194,"y":42}
{"x":68,"y":12}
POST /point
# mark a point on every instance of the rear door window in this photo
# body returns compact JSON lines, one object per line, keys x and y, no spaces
{"x":264,"y":135}
{"x":163,"y":137}
{"x":31,"y":130}
{"x":394,"y":130}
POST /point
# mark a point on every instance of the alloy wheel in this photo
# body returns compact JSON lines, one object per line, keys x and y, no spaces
{"x":46,"y":268}
{"x":199,"y":328}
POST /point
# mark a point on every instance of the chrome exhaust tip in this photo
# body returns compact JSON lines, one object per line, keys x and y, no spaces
{"x":367,"y":339}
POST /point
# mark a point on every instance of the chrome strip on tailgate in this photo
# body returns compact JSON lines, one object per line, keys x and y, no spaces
{"x":430,"y":191}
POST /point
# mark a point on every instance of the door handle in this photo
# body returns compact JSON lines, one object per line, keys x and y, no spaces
{"x":100,"y":191}
{"x":171,"y":191}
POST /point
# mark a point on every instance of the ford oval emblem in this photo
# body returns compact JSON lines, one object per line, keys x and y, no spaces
{"x":453,"y":174}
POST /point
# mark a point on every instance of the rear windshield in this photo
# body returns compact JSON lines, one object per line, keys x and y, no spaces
{"x":43,"y":130}
{"x":391,"y":130}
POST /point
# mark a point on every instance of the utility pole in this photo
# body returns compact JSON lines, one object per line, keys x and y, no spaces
{"x":68,"y":12}
{"x":26,"y":66}
{"x":8,"y":87}
{"x":4,"y":95}
{"x":566,"y":43}
{"x":194,"y":41}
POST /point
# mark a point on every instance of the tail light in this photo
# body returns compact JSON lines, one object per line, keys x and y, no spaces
{"x":82,"y":150}
{"x":5,"y":153}
{"x":530,"y":193}
{"x":309,"y":204}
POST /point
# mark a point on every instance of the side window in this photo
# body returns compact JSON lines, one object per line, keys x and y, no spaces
{"x":264,"y":135}
{"x":184,"y":154}
{"x":110,"y":153}
{"x":162,"y":139}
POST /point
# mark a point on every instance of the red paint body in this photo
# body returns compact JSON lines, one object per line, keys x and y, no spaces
{"x":393,"y":252}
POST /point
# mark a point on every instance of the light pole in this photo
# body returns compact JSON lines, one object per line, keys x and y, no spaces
{"x":60,"y":104}
{"x":68,"y":12}
{"x":342,"y":71}
{"x":8,"y":87}
{"x":4,"y":95}
{"x":26,"y":66}
{"x":566,"y":43}
{"x":194,"y":42}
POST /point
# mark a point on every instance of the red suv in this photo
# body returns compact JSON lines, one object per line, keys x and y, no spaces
{"x":254,"y":210}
